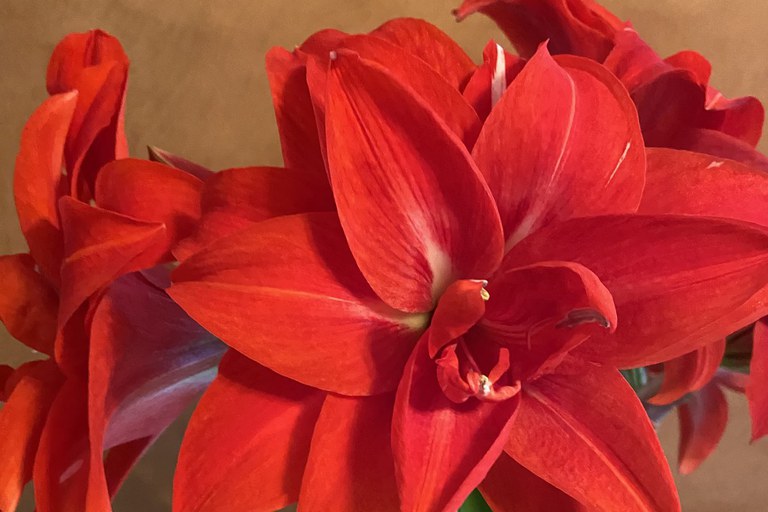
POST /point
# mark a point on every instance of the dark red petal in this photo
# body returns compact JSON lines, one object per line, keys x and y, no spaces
{"x":669,"y":100}
{"x":37,"y":182}
{"x":295,"y":114}
{"x":350,"y":466}
{"x":164,"y":157}
{"x":699,"y":184}
{"x":580,"y":27}
{"x":681,"y":281}
{"x":431,"y":45}
{"x":247,"y":442}
{"x":21,"y":421}
{"x":76,"y":52}
{"x":442,"y":450}
{"x":723,"y":145}
{"x":694,"y":62}
{"x":563,"y":142}
{"x":509,"y":487}
{"x":542,"y":311}
{"x":584,"y":431}
{"x":689,"y":373}
{"x":742,"y":118}
{"x":403,"y":215}
{"x":28,"y":303}
{"x":235,"y":199}
{"x":491,"y":78}
{"x":151,"y":192}
{"x":287,"y":293}
{"x":757,"y":385}
{"x":702,"y":423}
{"x":141,"y":377}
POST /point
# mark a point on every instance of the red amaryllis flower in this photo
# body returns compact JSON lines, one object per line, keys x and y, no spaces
{"x":677,"y":107}
{"x":696,"y":184}
{"x":485,"y":288}
{"x":62,"y":413}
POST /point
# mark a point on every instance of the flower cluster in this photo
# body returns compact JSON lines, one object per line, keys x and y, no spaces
{"x":466,"y":276}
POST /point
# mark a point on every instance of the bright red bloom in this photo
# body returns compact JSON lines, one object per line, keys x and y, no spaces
{"x":483,"y":287}
{"x":677,"y":106}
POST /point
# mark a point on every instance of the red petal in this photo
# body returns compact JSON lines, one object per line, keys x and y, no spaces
{"x":132,"y":396}
{"x":21,"y":421}
{"x":702,"y":423}
{"x":164,"y":157}
{"x":740,"y":117}
{"x":693,"y":62}
{"x":61,"y":464}
{"x":387,"y":154}
{"x":37,"y":182}
{"x":235,"y":199}
{"x":489,"y":81}
{"x":247,"y":442}
{"x":689,"y":373}
{"x":579,"y":27}
{"x":540,"y":312}
{"x":411,"y":72}
{"x":151,"y":192}
{"x":442,"y":450}
{"x":673,"y":293}
{"x":541,"y":153}
{"x":28,"y":304}
{"x":77,"y":52}
{"x":287,"y":293}
{"x":431,"y":45}
{"x":295,"y":114}
{"x":699,"y":184}
{"x":584,"y":431}
{"x":720,"y":144}
{"x":95,"y":134}
{"x":100,"y":246}
{"x":460,"y":307}
{"x":757,"y":385}
{"x":350,"y":465}
{"x":509,"y":487}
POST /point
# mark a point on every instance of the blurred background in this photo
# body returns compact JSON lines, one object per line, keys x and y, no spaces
{"x":198,"y":88}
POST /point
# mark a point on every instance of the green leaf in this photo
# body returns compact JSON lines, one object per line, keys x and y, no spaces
{"x":475,"y":503}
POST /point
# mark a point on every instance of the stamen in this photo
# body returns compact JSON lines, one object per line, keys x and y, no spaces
{"x":485,"y":385}
{"x":484,"y":294}
{"x":333,"y":55}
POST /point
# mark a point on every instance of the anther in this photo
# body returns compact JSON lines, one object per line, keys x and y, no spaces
{"x":485,"y":385}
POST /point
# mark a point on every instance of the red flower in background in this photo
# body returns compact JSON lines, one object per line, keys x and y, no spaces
{"x":338,"y":304}
{"x":66,"y":299}
{"x":677,"y":106}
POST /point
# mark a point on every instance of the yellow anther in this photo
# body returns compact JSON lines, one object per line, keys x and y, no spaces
{"x":484,"y":294}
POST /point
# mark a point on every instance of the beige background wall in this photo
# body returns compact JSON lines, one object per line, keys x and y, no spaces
{"x":198,"y":88}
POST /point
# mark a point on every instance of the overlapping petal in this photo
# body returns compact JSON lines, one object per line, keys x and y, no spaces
{"x":677,"y":281}
{"x":689,"y":373}
{"x":702,"y":423}
{"x":488,"y":82}
{"x":443,"y":450}
{"x":350,"y":464}
{"x":538,"y":152}
{"x":400,"y":176}
{"x":38,"y":181}
{"x":584,"y":431}
{"x":509,"y":487}
{"x":580,"y":27}
{"x":234,"y":199}
{"x":28,"y":304}
{"x":347,"y":341}
{"x":757,"y":385}
{"x":247,"y":443}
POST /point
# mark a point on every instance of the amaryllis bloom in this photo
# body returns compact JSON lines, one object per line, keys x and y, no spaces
{"x":111,"y":382}
{"x":459,"y":315}
{"x":677,"y":106}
